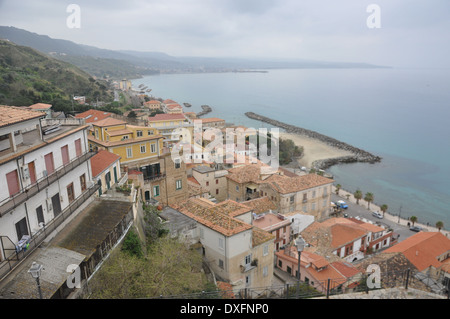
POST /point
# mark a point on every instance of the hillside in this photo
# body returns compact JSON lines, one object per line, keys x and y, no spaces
{"x":28,"y":76}
{"x":133,"y":64}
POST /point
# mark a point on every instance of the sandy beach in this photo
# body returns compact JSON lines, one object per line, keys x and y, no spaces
{"x":313,"y":149}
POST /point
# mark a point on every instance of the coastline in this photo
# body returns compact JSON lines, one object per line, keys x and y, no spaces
{"x":321,"y":151}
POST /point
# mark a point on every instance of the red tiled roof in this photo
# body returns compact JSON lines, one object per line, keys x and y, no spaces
{"x":165,"y":117}
{"x":423,"y":248}
{"x":93,"y":115}
{"x":13,"y":114}
{"x":109,"y":121}
{"x":101,"y":161}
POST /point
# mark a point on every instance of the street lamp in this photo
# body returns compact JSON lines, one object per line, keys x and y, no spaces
{"x":35,"y":272}
{"x":300,"y":244}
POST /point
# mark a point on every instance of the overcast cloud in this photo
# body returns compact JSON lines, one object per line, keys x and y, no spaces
{"x":412,"y":33}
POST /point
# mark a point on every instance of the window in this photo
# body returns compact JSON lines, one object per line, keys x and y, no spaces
{"x":150,"y":132}
{"x":292,"y":199}
{"x":49,"y":164}
{"x":237,"y":188}
{"x":178,"y":184}
{"x":207,"y":183}
{"x":304,"y":197}
{"x":248,"y":259}
{"x":265,"y":250}
{"x":125,"y":137}
{"x":143,"y":148}
{"x":265,"y":271}
{"x":153,"y":148}
{"x":83,"y":182}
{"x":217,"y":191}
{"x":40,"y":214}
{"x":221,"y":264}
{"x":70,"y":193}
{"x":202,"y":233}
{"x":217,"y":181}
{"x":313,"y":194}
{"x":129,"y":152}
{"x":139,"y":133}
{"x":325,"y":191}
{"x":156,"y":190}
{"x":313,"y":207}
{"x":221,"y":243}
{"x":177,"y":163}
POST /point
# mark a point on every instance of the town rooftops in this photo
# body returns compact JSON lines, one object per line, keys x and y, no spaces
{"x":203,"y":169}
{"x":13,"y":114}
{"x":287,"y":184}
{"x":423,"y":249}
{"x":206,"y":214}
{"x":109,"y":121}
{"x":101,"y":161}
{"x":260,"y":205}
{"x":166,"y":117}
{"x":93,"y":115}
{"x":334,"y":233}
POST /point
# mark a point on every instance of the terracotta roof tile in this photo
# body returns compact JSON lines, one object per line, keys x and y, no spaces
{"x":101,"y":161}
{"x":92,"y":115}
{"x":423,"y":248}
{"x":13,"y":114}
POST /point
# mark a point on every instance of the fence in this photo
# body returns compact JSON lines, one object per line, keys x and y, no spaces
{"x":404,"y":279}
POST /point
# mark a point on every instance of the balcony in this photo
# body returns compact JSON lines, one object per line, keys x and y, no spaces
{"x":28,"y":192}
{"x":154,"y":178}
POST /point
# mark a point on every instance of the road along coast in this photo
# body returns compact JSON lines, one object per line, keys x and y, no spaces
{"x":320,"y":151}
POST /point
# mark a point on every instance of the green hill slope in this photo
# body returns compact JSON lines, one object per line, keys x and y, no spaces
{"x":28,"y":76}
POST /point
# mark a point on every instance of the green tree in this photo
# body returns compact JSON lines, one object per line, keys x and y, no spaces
{"x":369,"y":199}
{"x":358,"y":195}
{"x":439,"y":225}
{"x":338,"y":188}
{"x":413,"y":219}
{"x":132,"y":244}
{"x":384,"y":208}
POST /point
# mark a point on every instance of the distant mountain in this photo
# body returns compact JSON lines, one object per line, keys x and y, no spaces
{"x":133,"y":64}
{"x":28,"y":76}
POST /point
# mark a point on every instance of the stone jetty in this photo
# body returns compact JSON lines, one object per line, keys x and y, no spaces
{"x":359,"y":155}
{"x":206,"y":109}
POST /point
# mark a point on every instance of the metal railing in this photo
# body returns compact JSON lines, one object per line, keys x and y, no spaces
{"x":26,"y":193}
{"x":13,"y":256}
{"x":322,"y":289}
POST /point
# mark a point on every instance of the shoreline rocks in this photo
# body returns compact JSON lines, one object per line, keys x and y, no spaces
{"x":206,"y":109}
{"x":359,"y":155}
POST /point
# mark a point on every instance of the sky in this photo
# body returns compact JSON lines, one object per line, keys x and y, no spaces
{"x":399,"y":33}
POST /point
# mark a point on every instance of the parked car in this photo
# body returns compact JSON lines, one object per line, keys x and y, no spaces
{"x":416,"y":228}
{"x":377,"y":215}
{"x":341,"y":204}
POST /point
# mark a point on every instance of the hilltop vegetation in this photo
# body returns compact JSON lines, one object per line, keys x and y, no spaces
{"x":28,"y":76}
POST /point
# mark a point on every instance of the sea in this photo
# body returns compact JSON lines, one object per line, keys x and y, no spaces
{"x":400,"y":114}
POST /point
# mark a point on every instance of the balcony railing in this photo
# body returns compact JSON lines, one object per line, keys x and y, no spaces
{"x":10,"y":203}
{"x":13,"y":256}
{"x":155,"y":177}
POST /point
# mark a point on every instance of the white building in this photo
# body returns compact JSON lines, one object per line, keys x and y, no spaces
{"x":45,"y":175}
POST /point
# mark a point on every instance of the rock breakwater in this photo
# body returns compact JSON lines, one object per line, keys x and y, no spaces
{"x":206,"y":109}
{"x":358,"y":155}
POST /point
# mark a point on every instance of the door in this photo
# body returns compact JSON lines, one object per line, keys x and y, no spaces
{"x":49,"y":164}
{"x":56,"y":205}
{"x":40,"y":214}
{"x":115,"y":174}
{"x":12,"y":178}
{"x":108,"y":180}
{"x":65,"y":154}
{"x":147,"y":196}
{"x":70,"y":192}
{"x":32,"y":172}
{"x":21,"y":228}
{"x":78,"y":147}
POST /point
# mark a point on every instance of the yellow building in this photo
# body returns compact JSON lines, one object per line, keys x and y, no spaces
{"x":134,"y":144}
{"x":166,"y":124}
